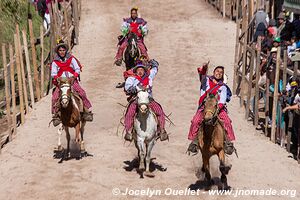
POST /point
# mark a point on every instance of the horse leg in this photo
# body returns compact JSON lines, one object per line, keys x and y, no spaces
{"x":82,"y":147}
{"x":223,"y":169}
{"x":141,"y":147}
{"x":149,"y":147}
{"x":59,"y":133}
{"x":68,"y":141}
{"x":205,"y":167}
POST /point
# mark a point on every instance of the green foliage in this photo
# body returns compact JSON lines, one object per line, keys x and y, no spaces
{"x":14,"y":12}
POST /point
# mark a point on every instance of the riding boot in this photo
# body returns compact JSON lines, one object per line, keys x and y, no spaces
{"x":162,"y":134}
{"x":128,"y":136}
{"x":193,"y":147}
{"x":56,"y":119}
{"x":118,"y":62}
{"x":228,"y":147}
{"x":87,"y":114}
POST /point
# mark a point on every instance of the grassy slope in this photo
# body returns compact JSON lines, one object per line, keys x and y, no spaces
{"x":14,"y":12}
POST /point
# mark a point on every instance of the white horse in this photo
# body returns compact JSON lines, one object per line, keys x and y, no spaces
{"x":145,"y":125}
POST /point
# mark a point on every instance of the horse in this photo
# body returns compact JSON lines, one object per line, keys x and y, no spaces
{"x":71,"y":108}
{"x":211,"y":139}
{"x":145,"y":129}
{"x":132,"y":51}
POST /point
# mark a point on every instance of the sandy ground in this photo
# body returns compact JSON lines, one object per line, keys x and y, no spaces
{"x":183,"y":34}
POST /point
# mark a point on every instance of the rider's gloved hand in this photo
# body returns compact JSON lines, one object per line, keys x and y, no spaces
{"x":55,"y":81}
{"x":153,"y":63}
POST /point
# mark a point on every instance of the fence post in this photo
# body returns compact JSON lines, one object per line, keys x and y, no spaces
{"x":34,"y":61}
{"x":76,"y":20}
{"x":236,"y":56}
{"x":250,"y":84}
{"x":257,"y":73}
{"x":245,"y":28}
{"x":275,"y":96}
{"x":13,"y":88}
{"x":29,"y":78}
{"x":20,"y":87}
{"x":224,"y":8}
{"x":7,"y":95}
{"x":22,"y":70}
{"x":42,"y":61}
{"x":66,"y":23}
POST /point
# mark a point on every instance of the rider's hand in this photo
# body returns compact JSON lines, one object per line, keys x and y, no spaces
{"x":72,"y":80}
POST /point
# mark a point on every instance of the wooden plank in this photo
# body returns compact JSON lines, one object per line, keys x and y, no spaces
{"x":290,"y":128}
{"x":42,"y":62}
{"x":267,"y":111}
{"x":13,"y":87}
{"x":34,"y":62}
{"x":76,"y":20}
{"x":250,"y":85}
{"x":7,"y":94}
{"x":284,"y":70}
{"x":275,"y":98}
{"x":66,"y":24}
{"x":236,"y":56}
{"x":22,"y":70}
{"x":257,"y":73}
{"x":29,"y":78}
{"x":20,"y":87}
{"x":244,"y":56}
{"x":224,"y":8}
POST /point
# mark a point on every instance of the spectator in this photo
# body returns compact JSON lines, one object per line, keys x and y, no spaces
{"x":291,"y":47}
{"x":272,"y":29}
{"x":261,"y":17}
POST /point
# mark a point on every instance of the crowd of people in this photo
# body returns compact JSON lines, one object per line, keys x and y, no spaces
{"x":283,"y":32}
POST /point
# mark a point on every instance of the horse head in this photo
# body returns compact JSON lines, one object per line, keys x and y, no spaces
{"x":65,"y":88}
{"x":132,"y":44}
{"x":211,"y":109}
{"x":143,"y":100}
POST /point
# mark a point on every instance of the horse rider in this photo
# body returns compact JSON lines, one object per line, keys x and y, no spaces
{"x":212,"y":85}
{"x":143,"y":77}
{"x":135,"y":25}
{"x":66,"y":65}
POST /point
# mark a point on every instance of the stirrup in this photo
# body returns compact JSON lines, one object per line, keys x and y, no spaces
{"x":163,"y":135}
{"x":56,"y":121}
{"x":118,"y":62}
{"x":229,"y":148}
{"x":193,"y":148}
{"x":128,"y":137}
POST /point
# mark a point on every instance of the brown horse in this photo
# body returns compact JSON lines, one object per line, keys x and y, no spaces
{"x":211,"y":139}
{"x":71,"y":108}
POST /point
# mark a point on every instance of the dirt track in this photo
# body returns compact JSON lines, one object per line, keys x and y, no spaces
{"x":183,"y":34}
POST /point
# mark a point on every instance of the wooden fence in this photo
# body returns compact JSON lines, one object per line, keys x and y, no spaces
{"x":27,"y":79}
{"x":247,"y":66}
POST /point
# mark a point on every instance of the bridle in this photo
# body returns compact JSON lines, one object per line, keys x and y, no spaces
{"x":64,"y":95}
{"x":133,"y":45}
{"x":143,"y":103}
{"x":213,"y":120}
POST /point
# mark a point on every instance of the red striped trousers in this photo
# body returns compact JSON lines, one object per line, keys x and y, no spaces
{"x":198,"y":118}
{"x":154,"y":106}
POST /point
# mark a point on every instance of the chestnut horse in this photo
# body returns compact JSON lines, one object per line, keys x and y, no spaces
{"x":211,"y":139}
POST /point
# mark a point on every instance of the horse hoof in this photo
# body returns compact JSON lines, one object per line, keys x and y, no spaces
{"x":149,"y":174}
